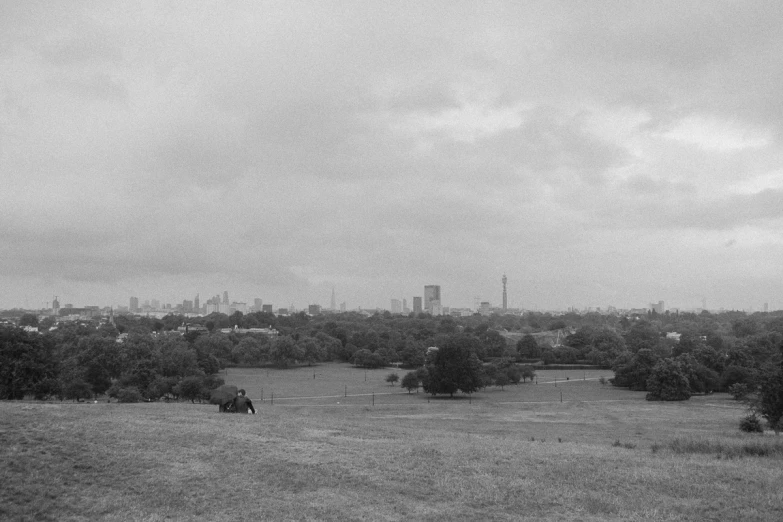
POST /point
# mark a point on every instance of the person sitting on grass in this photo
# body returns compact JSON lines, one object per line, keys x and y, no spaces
{"x":242,"y":404}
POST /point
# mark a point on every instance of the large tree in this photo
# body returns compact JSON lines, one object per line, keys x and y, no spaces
{"x":454,"y":366}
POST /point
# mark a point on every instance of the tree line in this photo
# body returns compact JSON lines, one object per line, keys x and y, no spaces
{"x":714,"y":351}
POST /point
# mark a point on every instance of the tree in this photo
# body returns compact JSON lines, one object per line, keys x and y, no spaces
{"x":364,"y":358}
{"x":501,"y":379}
{"x":668,"y":381}
{"x":29,"y":320}
{"x":284,"y":352}
{"x":633,"y":370}
{"x":191,"y":388}
{"x":527,"y":347}
{"x":410,"y":382}
{"x":392,"y":378}
{"x":313,"y":350}
{"x":771,"y":396}
{"x":453,"y":367}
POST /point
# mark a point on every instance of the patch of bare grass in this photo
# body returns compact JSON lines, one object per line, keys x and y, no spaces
{"x":724,"y":447}
{"x":405,"y":460}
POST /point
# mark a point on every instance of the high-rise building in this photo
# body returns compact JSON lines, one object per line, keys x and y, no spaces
{"x":314,"y":309}
{"x":396,"y":306}
{"x":187,"y":306}
{"x":266,"y":308}
{"x":334,"y":301}
{"x":134,"y":304}
{"x":417,"y":309}
{"x":225,"y":297}
{"x":257,"y":304}
{"x":431,"y":293}
{"x":55,"y":306}
{"x":196,"y":304}
{"x":505,"y":299}
{"x":405,"y":309}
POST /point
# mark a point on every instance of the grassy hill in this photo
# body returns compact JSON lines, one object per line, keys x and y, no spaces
{"x":322,"y":451}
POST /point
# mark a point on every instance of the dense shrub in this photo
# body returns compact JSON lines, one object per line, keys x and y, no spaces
{"x":129,"y":395}
{"x":751,"y":424}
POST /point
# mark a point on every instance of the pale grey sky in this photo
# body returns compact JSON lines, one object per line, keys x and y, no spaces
{"x":597,"y":153}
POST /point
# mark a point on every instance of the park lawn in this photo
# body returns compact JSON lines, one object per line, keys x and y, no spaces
{"x":497,"y":456}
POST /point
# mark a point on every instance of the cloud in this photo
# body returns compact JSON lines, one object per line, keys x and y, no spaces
{"x":281,"y":147}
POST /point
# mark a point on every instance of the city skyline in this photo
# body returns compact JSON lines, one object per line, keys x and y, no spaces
{"x":596,"y":153}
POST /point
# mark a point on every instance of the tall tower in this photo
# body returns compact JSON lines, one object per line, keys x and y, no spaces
{"x":431,"y":297}
{"x":225,"y":297}
{"x":334,"y":301}
{"x":197,"y":304}
{"x":505,"y":299}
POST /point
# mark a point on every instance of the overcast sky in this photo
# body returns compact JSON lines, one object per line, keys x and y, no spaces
{"x":597,"y":153}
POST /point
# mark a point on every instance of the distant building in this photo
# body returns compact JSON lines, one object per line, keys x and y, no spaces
{"x":396,"y":306}
{"x":266,"y":308}
{"x":314,"y":309}
{"x":55,"y":306}
{"x":257,"y":305}
{"x":225,"y":297}
{"x":417,"y":309}
{"x":334,"y":301}
{"x":405,"y":308}
{"x":658,"y":307}
{"x":431,"y":294}
{"x":187,"y":306}
{"x":282,"y":311}
{"x":196,"y":304}
{"x":134,"y":305}
{"x":505,"y":297}
{"x":485,"y":308}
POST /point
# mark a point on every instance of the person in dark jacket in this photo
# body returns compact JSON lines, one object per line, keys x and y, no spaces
{"x":242,"y":404}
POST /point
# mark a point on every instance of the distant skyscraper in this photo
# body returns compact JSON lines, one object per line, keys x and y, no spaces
{"x":55,"y":306}
{"x":266,"y":308}
{"x":196,"y":304}
{"x":431,"y":293}
{"x":134,"y":304}
{"x":314,"y":309}
{"x":257,"y":304}
{"x":334,"y":301}
{"x":417,"y":309}
{"x":396,"y":306}
{"x":225,"y":297}
{"x":505,"y":299}
{"x":405,"y":308}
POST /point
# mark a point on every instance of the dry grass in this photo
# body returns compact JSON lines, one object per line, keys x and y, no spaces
{"x":496,"y":457}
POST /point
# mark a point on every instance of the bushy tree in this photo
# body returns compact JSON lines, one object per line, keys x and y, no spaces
{"x":392,"y":378}
{"x":771,"y":396}
{"x":668,"y":381}
{"x":410,"y":382}
{"x":453,"y":367}
{"x":633,"y":370}
{"x":364,"y":358}
{"x":191,"y":388}
{"x":284,"y":352}
{"x":527,"y":347}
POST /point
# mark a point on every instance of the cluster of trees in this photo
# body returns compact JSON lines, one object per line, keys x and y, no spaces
{"x":714,"y":352}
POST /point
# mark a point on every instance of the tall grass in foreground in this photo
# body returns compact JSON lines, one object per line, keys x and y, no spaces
{"x":723,"y":447}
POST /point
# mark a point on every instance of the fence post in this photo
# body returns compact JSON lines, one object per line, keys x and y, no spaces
{"x":373,"y":399}
{"x":273,"y":399}
{"x":346,"y":391}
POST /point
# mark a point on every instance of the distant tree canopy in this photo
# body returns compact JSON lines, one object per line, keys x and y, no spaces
{"x":714,"y":351}
{"x":454,"y":366}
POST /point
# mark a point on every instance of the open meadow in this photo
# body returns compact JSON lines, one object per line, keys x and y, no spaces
{"x":332,"y":442}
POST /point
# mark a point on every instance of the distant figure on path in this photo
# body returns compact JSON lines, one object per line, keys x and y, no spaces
{"x":242,"y":404}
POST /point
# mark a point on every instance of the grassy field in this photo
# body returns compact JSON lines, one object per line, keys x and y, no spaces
{"x":322,"y":451}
